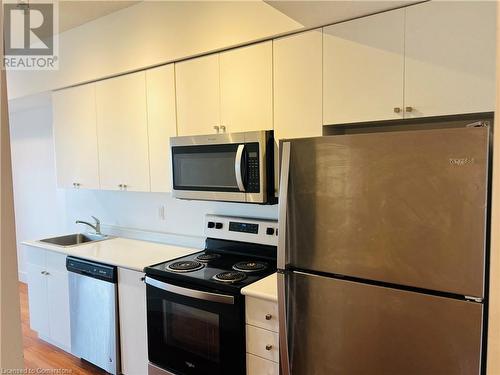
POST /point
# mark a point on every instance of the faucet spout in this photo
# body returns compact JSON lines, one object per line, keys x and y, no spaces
{"x":96,"y":227}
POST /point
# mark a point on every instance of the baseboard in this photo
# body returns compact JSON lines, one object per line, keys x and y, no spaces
{"x":22,"y":276}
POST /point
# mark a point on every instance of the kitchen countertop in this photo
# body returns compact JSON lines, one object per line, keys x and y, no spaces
{"x":266,"y":288}
{"x":121,"y":252}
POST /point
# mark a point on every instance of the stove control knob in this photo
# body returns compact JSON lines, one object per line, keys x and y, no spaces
{"x":218,"y":225}
{"x":211,"y":224}
{"x":270,"y":231}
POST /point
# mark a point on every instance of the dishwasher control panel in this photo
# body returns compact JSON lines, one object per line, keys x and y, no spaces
{"x":91,"y":269}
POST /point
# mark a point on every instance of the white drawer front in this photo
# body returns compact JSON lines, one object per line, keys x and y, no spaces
{"x":262,"y":313}
{"x":260,"y":366}
{"x":263,"y":343}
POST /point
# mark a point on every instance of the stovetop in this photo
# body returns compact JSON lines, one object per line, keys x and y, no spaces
{"x":215,"y":270}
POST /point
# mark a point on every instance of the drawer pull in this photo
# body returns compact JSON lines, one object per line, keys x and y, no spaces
{"x":269,"y":347}
{"x":268,"y":316}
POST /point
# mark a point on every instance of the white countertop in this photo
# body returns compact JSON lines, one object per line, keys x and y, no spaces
{"x":266,"y":288}
{"x":121,"y":252}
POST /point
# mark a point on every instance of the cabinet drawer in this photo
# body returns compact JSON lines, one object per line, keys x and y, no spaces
{"x":263,"y":343}
{"x":262,"y":313}
{"x":260,"y":366}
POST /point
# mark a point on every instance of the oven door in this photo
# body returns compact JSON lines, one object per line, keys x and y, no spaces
{"x":194,"y":332}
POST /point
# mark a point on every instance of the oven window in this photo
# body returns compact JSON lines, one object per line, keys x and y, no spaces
{"x":192,"y":330}
{"x":205,"y":170}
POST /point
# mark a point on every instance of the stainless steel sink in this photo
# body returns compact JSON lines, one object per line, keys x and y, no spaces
{"x":75,"y":239}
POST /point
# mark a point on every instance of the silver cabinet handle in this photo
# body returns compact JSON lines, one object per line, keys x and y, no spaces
{"x":409,"y":109}
{"x":269,"y":347}
{"x":198,"y":294}
{"x":223,"y":128}
{"x":268,"y":316}
{"x":216,"y":128}
{"x":397,"y":110}
{"x":237,"y":167}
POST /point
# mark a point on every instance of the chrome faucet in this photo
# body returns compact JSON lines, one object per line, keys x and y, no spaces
{"x":96,"y":227}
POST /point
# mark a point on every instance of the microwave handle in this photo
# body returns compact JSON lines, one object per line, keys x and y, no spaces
{"x":237,"y":167}
{"x":198,"y":294}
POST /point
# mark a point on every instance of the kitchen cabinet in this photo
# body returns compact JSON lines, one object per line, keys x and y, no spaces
{"x":122,"y":132}
{"x":246,"y":88}
{"x":75,"y":137}
{"x":133,"y":330}
{"x":160,"y":83}
{"x":198,"y":95}
{"x":297,"y":64}
{"x":262,"y":340}
{"x":48,"y":296}
{"x":363,"y":69}
{"x":450,"y":58}
{"x":226,"y":92}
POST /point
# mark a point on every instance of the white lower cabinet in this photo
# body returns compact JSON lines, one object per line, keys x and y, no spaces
{"x":262,"y":338}
{"x":259,"y":366}
{"x":48,"y":296}
{"x":133,"y":329}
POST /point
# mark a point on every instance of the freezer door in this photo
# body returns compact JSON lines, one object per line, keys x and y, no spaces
{"x":405,"y":207}
{"x":346,"y":328}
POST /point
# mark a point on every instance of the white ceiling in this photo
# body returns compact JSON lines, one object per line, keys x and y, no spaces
{"x":75,"y":13}
{"x":311,"y":13}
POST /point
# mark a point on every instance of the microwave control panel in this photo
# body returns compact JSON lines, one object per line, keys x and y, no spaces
{"x":253,"y":168}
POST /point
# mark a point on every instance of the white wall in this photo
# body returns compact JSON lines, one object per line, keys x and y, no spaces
{"x":42,"y":210}
{"x":38,"y":205}
{"x":150,"y":33}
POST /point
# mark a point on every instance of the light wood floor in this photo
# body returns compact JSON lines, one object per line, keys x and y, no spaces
{"x":40,"y":355}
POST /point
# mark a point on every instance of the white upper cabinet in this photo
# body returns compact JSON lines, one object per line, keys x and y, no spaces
{"x":298,"y":85}
{"x":123,"y":133}
{"x":161,"y":125}
{"x":198,"y":95}
{"x":450,"y":57}
{"x":246,"y":86}
{"x":75,"y":137}
{"x":363,"y":69}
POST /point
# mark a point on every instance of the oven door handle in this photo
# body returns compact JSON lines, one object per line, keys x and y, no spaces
{"x":237,"y":167}
{"x":198,"y":294}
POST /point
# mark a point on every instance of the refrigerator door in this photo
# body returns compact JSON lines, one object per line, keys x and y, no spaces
{"x":404,"y":207}
{"x":347,"y":328}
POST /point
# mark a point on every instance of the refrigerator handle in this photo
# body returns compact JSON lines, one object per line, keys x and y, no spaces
{"x":283,"y":334}
{"x":283,"y":197}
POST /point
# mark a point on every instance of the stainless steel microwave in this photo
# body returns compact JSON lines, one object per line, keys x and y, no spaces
{"x":233,"y":167}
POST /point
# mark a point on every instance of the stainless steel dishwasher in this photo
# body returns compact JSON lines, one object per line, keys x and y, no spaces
{"x":94,"y":313}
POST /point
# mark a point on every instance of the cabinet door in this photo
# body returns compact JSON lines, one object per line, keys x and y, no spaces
{"x":298,"y":85}
{"x":246,"y":81}
{"x":75,"y":137}
{"x":123,"y":133}
{"x":37,"y":299}
{"x":161,"y":125}
{"x":450,"y":57}
{"x":58,"y":308}
{"x":363,"y":69}
{"x":133,"y":331}
{"x":198,"y":95}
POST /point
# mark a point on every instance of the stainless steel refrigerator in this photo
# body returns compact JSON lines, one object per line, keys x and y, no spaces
{"x":382,"y":253}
